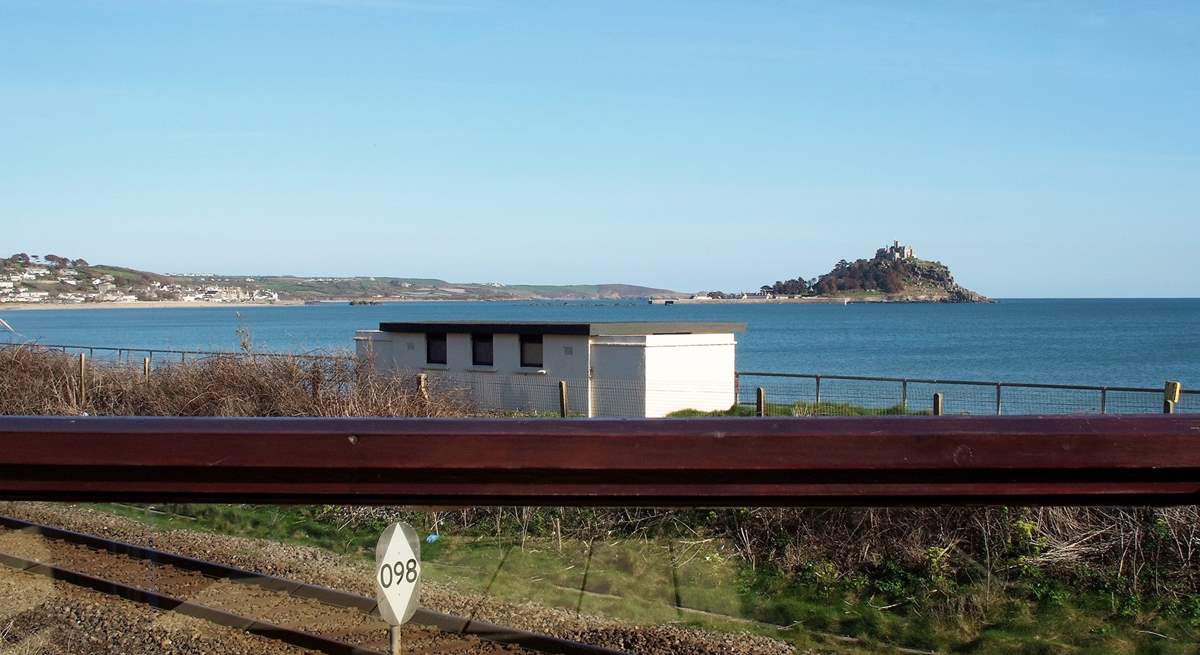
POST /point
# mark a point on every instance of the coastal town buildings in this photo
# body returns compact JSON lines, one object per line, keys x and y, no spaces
{"x":51,"y":279}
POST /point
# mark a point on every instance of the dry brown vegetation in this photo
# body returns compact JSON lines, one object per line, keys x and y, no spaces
{"x":35,"y":381}
{"x":1133,"y":550}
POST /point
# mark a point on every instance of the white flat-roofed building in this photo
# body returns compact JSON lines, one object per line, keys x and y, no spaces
{"x":640,"y":369}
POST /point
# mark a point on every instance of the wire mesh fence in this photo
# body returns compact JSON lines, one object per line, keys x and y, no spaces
{"x":796,"y":394}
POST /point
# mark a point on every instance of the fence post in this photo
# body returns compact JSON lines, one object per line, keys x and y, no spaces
{"x":562,"y":398}
{"x":760,"y":402}
{"x":904,"y":395}
{"x":423,"y":386}
{"x":145,"y":369}
{"x":817,"y":401}
{"x":938,"y":406}
{"x":1103,"y":400}
{"x":1172,"y":391}
{"x":999,"y":406}
{"x":82,"y":378}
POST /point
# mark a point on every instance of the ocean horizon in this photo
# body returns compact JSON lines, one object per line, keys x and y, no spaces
{"x":1112,"y":341}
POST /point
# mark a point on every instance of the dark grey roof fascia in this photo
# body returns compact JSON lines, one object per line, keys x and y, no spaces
{"x":539,"y":327}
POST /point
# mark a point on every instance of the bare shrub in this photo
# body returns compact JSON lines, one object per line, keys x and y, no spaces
{"x":35,"y":381}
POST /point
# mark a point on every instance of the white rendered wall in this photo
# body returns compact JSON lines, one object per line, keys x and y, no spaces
{"x":689,"y":371}
{"x":374,"y":346}
{"x":503,"y":385}
{"x":650,"y":375}
{"x":618,"y":387}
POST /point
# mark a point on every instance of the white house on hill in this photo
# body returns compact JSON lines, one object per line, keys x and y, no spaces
{"x":641,"y":369}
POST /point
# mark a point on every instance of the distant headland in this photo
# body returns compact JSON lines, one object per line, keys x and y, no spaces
{"x":894,"y":274}
{"x":54,"y":281}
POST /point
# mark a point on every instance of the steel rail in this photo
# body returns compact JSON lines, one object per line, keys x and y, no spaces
{"x":299,"y":638}
{"x":1149,"y":459}
{"x":334,"y":597}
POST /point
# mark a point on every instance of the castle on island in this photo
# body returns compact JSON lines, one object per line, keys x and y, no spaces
{"x":898,"y":251}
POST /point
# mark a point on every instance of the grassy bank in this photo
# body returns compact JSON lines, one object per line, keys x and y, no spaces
{"x":984,"y":580}
{"x":802,"y":408}
{"x":672,"y":573}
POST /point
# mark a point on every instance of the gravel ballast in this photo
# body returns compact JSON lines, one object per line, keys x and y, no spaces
{"x":39,"y":615}
{"x":319,"y":567}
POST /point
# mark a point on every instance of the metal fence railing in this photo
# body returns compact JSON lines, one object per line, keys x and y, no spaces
{"x":158,"y":356}
{"x":804,"y":394}
{"x":784,"y":394}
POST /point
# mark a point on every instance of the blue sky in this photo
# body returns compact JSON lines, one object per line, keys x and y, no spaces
{"x":1038,"y":148}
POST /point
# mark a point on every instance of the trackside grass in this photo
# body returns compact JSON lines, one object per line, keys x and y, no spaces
{"x":801,"y":408}
{"x":703,"y":581}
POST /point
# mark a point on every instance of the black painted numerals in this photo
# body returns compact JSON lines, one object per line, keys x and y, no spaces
{"x":403,"y":571}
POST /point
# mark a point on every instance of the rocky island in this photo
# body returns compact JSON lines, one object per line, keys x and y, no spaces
{"x":894,"y":274}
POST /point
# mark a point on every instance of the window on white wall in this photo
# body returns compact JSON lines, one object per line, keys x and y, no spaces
{"x":435,"y":348}
{"x":481,"y":349}
{"x":531,"y":350}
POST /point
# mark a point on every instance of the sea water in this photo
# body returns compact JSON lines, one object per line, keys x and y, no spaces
{"x":1138,"y":342}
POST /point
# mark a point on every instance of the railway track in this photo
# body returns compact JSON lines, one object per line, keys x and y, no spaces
{"x":306,"y":616}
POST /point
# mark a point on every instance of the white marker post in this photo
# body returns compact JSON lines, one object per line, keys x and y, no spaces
{"x":397,"y":578}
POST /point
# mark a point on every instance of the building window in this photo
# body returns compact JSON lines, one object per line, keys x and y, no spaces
{"x":531,"y":350}
{"x":481,"y":349}
{"x":435,"y":348}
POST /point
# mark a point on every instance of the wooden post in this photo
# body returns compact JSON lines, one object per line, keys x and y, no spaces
{"x":999,"y":406}
{"x":423,"y":386}
{"x":904,"y":396}
{"x":394,"y":640}
{"x":562,"y":398}
{"x":938,"y":404}
{"x":1104,"y":400}
{"x":145,"y":369}
{"x":760,"y":402}
{"x":1172,"y":393}
{"x":82,"y":379}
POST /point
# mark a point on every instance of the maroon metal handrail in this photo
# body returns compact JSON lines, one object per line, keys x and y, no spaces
{"x":1150,"y":459}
